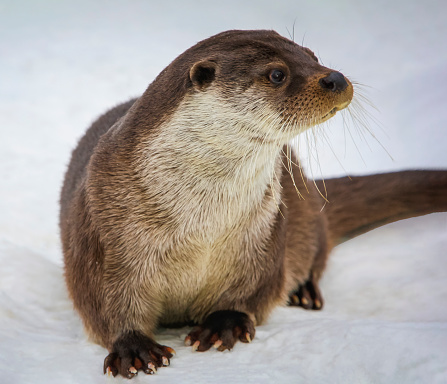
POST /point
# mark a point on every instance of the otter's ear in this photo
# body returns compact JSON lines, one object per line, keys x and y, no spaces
{"x":203,"y":73}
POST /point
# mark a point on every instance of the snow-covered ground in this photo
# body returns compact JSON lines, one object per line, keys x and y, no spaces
{"x":63,"y":62}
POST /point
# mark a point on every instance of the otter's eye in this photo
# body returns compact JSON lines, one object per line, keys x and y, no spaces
{"x":277,"y":76}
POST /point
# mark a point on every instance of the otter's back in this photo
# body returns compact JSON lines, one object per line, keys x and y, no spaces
{"x":83,"y":151}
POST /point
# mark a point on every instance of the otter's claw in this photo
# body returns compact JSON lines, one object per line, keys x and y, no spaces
{"x":307,"y":295}
{"x":221,"y":330}
{"x":134,"y":351}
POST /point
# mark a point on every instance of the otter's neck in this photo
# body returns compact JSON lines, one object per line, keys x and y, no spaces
{"x":212,"y":140}
{"x":205,"y":163}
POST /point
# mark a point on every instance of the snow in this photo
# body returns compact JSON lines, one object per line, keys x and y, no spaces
{"x":63,"y":63}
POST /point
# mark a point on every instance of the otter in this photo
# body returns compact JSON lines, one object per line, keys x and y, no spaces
{"x":187,"y":206}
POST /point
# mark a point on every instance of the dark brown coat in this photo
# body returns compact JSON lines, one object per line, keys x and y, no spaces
{"x":180,"y":207}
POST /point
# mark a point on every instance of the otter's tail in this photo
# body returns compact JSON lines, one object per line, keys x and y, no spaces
{"x":360,"y":204}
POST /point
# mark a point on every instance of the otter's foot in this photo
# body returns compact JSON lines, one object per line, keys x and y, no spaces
{"x":133,"y":351}
{"x":307,"y":295}
{"x":221,"y":329}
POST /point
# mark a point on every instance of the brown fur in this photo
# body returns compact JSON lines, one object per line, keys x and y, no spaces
{"x":381,"y":199}
{"x":178,"y":205}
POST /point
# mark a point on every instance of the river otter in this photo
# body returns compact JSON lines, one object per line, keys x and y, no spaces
{"x":186,"y":205}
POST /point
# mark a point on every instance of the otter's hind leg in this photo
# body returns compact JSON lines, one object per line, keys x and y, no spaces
{"x":307,"y":295}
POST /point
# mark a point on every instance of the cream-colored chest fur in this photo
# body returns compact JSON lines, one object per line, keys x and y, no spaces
{"x":219,"y":192}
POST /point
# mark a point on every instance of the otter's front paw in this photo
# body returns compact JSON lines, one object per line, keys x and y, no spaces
{"x":307,"y":295}
{"x":133,"y":351}
{"x":221,"y":329}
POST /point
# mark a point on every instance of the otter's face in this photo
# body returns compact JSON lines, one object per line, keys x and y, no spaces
{"x":270,"y":80}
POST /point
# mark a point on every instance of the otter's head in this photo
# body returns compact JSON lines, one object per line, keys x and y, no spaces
{"x":270,"y":81}
{"x":242,"y":87}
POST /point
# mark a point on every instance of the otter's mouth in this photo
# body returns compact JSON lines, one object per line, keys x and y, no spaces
{"x":331,"y":113}
{"x":334,"y":110}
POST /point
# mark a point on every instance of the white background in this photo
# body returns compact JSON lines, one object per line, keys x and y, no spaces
{"x":62,"y":63}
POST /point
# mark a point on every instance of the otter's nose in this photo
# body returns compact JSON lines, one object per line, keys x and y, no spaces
{"x":334,"y":82}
